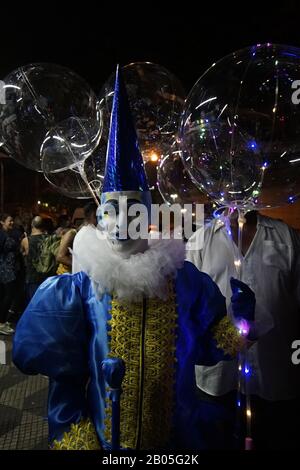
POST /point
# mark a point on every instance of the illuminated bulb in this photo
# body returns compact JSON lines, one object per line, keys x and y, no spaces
{"x":264,"y":166}
{"x":243,"y":328}
{"x":237,"y":263}
{"x":183,"y":211}
{"x":39,"y":202}
{"x":248,"y":413}
{"x":153,"y":157}
{"x":174,"y":196}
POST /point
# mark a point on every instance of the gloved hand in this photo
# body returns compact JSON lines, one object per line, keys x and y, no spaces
{"x":243,"y":307}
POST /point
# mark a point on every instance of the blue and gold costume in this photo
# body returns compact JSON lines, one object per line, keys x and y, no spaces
{"x":65,"y":333}
{"x":68,"y":330}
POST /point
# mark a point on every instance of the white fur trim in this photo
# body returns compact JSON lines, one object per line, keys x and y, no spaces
{"x":143,"y":274}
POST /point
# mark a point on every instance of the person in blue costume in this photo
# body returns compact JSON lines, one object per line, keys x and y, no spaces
{"x":137,"y":300}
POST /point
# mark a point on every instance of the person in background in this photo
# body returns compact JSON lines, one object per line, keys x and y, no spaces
{"x":18,"y":303}
{"x":30,"y":248}
{"x":8,"y":271}
{"x":270,"y":266}
{"x":64,"y":254}
{"x":48,"y":225}
{"x":63,"y":225}
{"x":90,"y":221}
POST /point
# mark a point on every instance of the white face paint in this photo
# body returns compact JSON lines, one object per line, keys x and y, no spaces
{"x":122,"y":224}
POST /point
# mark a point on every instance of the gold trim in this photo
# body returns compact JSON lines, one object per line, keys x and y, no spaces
{"x":158,"y":369}
{"x":228,"y":337}
{"x":82,"y":436}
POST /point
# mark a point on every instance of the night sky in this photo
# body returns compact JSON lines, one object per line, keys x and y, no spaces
{"x":91,"y":39}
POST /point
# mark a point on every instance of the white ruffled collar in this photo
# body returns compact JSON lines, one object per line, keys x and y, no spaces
{"x":143,"y":274}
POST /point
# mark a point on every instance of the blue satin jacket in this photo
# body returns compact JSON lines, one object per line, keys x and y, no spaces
{"x":64,"y":334}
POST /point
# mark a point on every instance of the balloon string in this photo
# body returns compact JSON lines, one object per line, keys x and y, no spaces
{"x":243,"y":368}
{"x":243,"y":361}
{"x":84,"y":177}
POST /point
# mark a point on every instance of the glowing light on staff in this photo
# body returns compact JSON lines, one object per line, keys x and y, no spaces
{"x":243,"y":328}
{"x":265,"y":165}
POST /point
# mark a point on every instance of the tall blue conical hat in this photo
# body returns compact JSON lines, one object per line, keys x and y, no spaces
{"x":124,"y":169}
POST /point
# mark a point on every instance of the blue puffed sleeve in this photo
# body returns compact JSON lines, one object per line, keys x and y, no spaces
{"x":51,"y":336}
{"x":200,"y":306}
{"x":51,"y":339}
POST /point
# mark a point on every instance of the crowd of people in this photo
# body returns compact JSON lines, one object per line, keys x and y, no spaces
{"x":27,"y":259}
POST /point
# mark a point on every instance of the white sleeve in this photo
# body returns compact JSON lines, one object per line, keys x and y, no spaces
{"x":296,"y":265}
{"x":194,"y":248}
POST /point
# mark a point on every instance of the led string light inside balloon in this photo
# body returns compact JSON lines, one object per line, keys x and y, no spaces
{"x":243,"y":329}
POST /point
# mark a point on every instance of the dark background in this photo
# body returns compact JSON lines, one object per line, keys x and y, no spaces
{"x":91,"y":38}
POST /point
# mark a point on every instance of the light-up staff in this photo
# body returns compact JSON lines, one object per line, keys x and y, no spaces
{"x":243,"y":327}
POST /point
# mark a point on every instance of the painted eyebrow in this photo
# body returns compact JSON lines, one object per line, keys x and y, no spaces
{"x":116,"y":202}
{"x":112,"y":202}
{"x":134,"y":201}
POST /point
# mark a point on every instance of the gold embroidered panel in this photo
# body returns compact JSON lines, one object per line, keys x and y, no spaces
{"x":143,"y":334}
{"x":82,"y":436}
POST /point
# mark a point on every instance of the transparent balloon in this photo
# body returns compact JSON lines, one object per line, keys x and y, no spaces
{"x":240,"y":132}
{"x":36,"y":98}
{"x":69,"y":144}
{"x":84,"y":181}
{"x":174,"y":182}
{"x":156,"y":99}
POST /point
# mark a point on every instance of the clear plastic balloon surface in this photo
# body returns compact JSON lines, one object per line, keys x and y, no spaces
{"x":240,"y":131}
{"x":37,"y":98}
{"x":173,"y":181}
{"x":83,"y":181}
{"x":156,"y":99}
{"x":69,"y":144}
